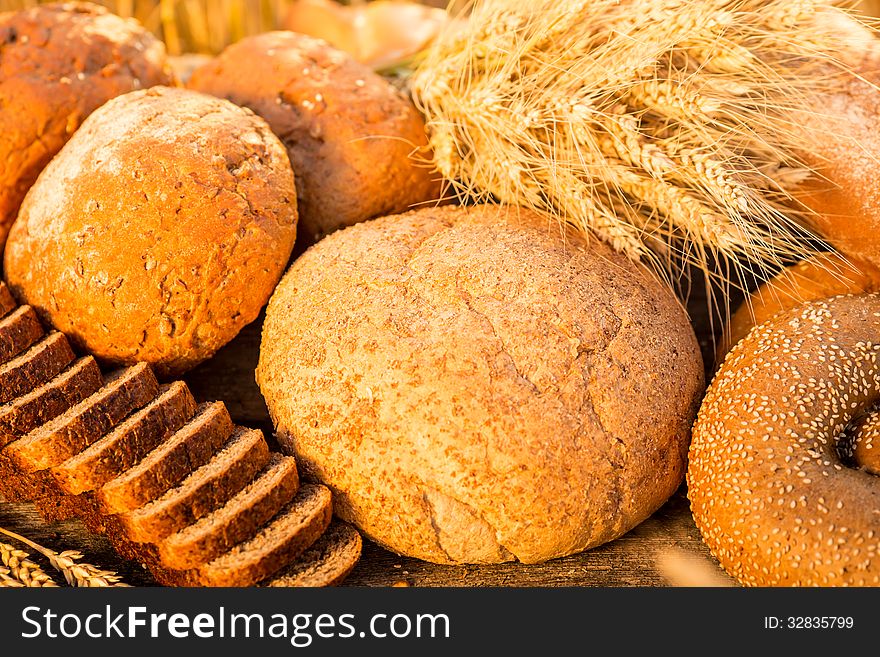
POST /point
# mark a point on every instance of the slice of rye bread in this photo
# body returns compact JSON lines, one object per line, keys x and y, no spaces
{"x":7,"y":302}
{"x":290,"y":533}
{"x":205,"y":490}
{"x":46,"y":402}
{"x":28,"y":412}
{"x":168,"y":464}
{"x":128,"y":442}
{"x":19,"y":330}
{"x":327,"y":562}
{"x":31,"y":369}
{"x":124,"y":392}
{"x":238,"y":520}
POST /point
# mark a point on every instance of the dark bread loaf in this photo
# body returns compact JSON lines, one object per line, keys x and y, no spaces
{"x":18,"y":331}
{"x":293,"y":530}
{"x":48,"y":401}
{"x":237,"y":520}
{"x":41,"y":362}
{"x":203,"y":491}
{"x":167,"y":465}
{"x":129,"y":442}
{"x":125,"y":391}
{"x":172,"y":484}
{"x":329,"y":561}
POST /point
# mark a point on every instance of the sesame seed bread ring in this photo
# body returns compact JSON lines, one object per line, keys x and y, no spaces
{"x":768,"y":488}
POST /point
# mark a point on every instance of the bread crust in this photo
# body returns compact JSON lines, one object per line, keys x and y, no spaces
{"x":768,"y":489}
{"x":61,"y":62}
{"x":159,"y":231}
{"x":358,"y":145}
{"x":475,"y":387}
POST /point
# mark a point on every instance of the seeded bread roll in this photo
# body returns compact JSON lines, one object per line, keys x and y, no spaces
{"x":476,"y":387}
{"x":357,"y":144}
{"x":159,"y":231}
{"x":773,"y":498}
{"x":61,"y":62}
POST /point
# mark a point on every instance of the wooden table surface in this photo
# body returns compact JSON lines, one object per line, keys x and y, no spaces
{"x":632,"y":560}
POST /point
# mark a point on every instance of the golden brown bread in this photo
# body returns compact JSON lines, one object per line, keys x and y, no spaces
{"x":357,"y":145}
{"x":159,"y":231}
{"x":61,"y":62}
{"x":476,"y":387}
{"x":768,"y":488}
{"x":822,"y":276}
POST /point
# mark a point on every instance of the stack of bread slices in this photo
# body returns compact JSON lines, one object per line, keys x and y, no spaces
{"x":173,"y":484}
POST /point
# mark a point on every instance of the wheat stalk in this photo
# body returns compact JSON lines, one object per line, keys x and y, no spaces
{"x":662,"y":126}
{"x":68,"y":564}
{"x":19,"y":567}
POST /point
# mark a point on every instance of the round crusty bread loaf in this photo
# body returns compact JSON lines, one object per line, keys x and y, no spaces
{"x":357,"y":144}
{"x":159,"y":230}
{"x":477,"y":387}
{"x":60,"y":62}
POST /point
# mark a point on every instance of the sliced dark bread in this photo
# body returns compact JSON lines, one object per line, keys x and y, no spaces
{"x":31,"y":369}
{"x":128,"y":442}
{"x":7,"y":302}
{"x":290,"y":533}
{"x":238,"y":520}
{"x":208,"y":488}
{"x":124,"y":392}
{"x":166,"y":466}
{"x":46,"y":402}
{"x":19,"y":330}
{"x":327,"y":562}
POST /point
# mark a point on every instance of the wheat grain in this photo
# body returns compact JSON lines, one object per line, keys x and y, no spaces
{"x":22,"y":569}
{"x":69,"y":565}
{"x":662,"y":126}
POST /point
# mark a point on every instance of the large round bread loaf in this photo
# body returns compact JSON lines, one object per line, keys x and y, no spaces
{"x":159,"y":231}
{"x":59,"y":63}
{"x":357,"y":144}
{"x":477,"y":387}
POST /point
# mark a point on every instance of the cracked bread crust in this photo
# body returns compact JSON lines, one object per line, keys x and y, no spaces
{"x":357,"y":144}
{"x":476,"y":389}
{"x":60,"y":62}
{"x":159,"y":231}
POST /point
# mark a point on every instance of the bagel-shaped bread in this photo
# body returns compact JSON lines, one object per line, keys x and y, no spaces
{"x":477,"y":387}
{"x":768,"y":488}
{"x":821,"y":276}
{"x":60,"y":62}
{"x":159,"y":230}
{"x":357,"y":144}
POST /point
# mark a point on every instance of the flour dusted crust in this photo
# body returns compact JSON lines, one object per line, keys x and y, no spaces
{"x":60,"y":62}
{"x":159,"y":231}
{"x":358,"y":145}
{"x":476,"y":388}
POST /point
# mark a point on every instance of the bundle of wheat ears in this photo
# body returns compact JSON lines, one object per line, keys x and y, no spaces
{"x":662,"y":126}
{"x":18,"y":570}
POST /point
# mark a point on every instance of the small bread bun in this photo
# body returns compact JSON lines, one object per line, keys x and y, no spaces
{"x":357,"y":144}
{"x":477,"y":387}
{"x":159,"y":231}
{"x":819,"y":277}
{"x":769,"y":491}
{"x":60,"y":62}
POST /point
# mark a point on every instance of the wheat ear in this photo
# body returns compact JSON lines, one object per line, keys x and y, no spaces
{"x":68,"y":564}
{"x":20,"y":568}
